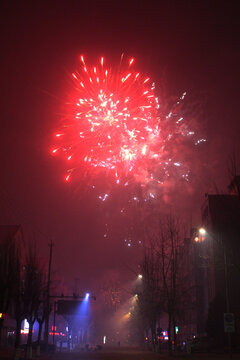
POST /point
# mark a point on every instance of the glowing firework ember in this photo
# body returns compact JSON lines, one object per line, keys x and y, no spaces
{"x":114,"y":124}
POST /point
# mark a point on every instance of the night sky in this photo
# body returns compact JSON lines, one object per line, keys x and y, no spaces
{"x":190,"y":46}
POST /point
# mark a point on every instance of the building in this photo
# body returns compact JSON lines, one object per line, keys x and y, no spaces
{"x":219,"y":254}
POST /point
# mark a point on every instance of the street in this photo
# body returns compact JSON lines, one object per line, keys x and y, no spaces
{"x":120,"y":354}
{"x":132,"y":354}
{"x":109,"y":355}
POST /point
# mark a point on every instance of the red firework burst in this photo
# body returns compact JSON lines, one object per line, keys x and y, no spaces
{"x":113,"y":120}
{"x":114,"y":124}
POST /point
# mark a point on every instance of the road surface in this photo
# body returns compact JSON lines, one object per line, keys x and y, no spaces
{"x":131,"y":354}
{"x":120,"y":354}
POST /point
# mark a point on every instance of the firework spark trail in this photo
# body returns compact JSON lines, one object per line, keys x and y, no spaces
{"x":115,"y":123}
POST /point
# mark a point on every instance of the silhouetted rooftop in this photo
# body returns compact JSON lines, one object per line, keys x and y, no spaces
{"x":7,"y":232}
{"x":224,"y":214}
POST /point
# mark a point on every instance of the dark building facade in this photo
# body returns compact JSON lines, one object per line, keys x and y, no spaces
{"x":219,"y":254}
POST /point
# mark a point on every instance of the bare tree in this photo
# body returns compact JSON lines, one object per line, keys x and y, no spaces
{"x":163,"y":286}
{"x":232,"y":165}
{"x":32,"y":293}
{"x":169,"y":247}
{"x":42,"y":310}
{"x":26,"y":295}
{"x":178,"y":283}
{"x":111,"y":292}
{"x":148,"y":293}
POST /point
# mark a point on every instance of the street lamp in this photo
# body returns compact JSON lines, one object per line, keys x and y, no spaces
{"x":196,"y":239}
{"x":200,"y":235}
{"x":202,"y":231}
{"x":140,"y":276}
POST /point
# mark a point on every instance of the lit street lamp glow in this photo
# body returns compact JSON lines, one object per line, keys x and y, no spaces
{"x":202,"y":231}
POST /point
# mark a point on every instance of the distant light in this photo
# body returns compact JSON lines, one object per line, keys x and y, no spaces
{"x":104,"y":339}
{"x":202,"y":231}
{"x":140,"y":276}
{"x":25,"y":325}
{"x":87,"y":296}
{"x":25,"y":329}
{"x":196,"y":239}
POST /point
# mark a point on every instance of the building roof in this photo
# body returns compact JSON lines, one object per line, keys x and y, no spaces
{"x":224,"y":212}
{"x":7,"y":232}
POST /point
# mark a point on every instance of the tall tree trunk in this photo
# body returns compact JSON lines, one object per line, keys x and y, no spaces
{"x":39,"y":337}
{"x":1,"y":328}
{"x":17,"y":349}
{"x":142,"y":339}
{"x":174,"y":334}
{"x":158,"y":337}
{"x":153,"y":338}
{"x":169,"y":333}
{"x":29,"y":341}
{"x":147,"y":339}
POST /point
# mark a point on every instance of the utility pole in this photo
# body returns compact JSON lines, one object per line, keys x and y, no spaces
{"x":54,"y":321}
{"x":46,"y":332}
